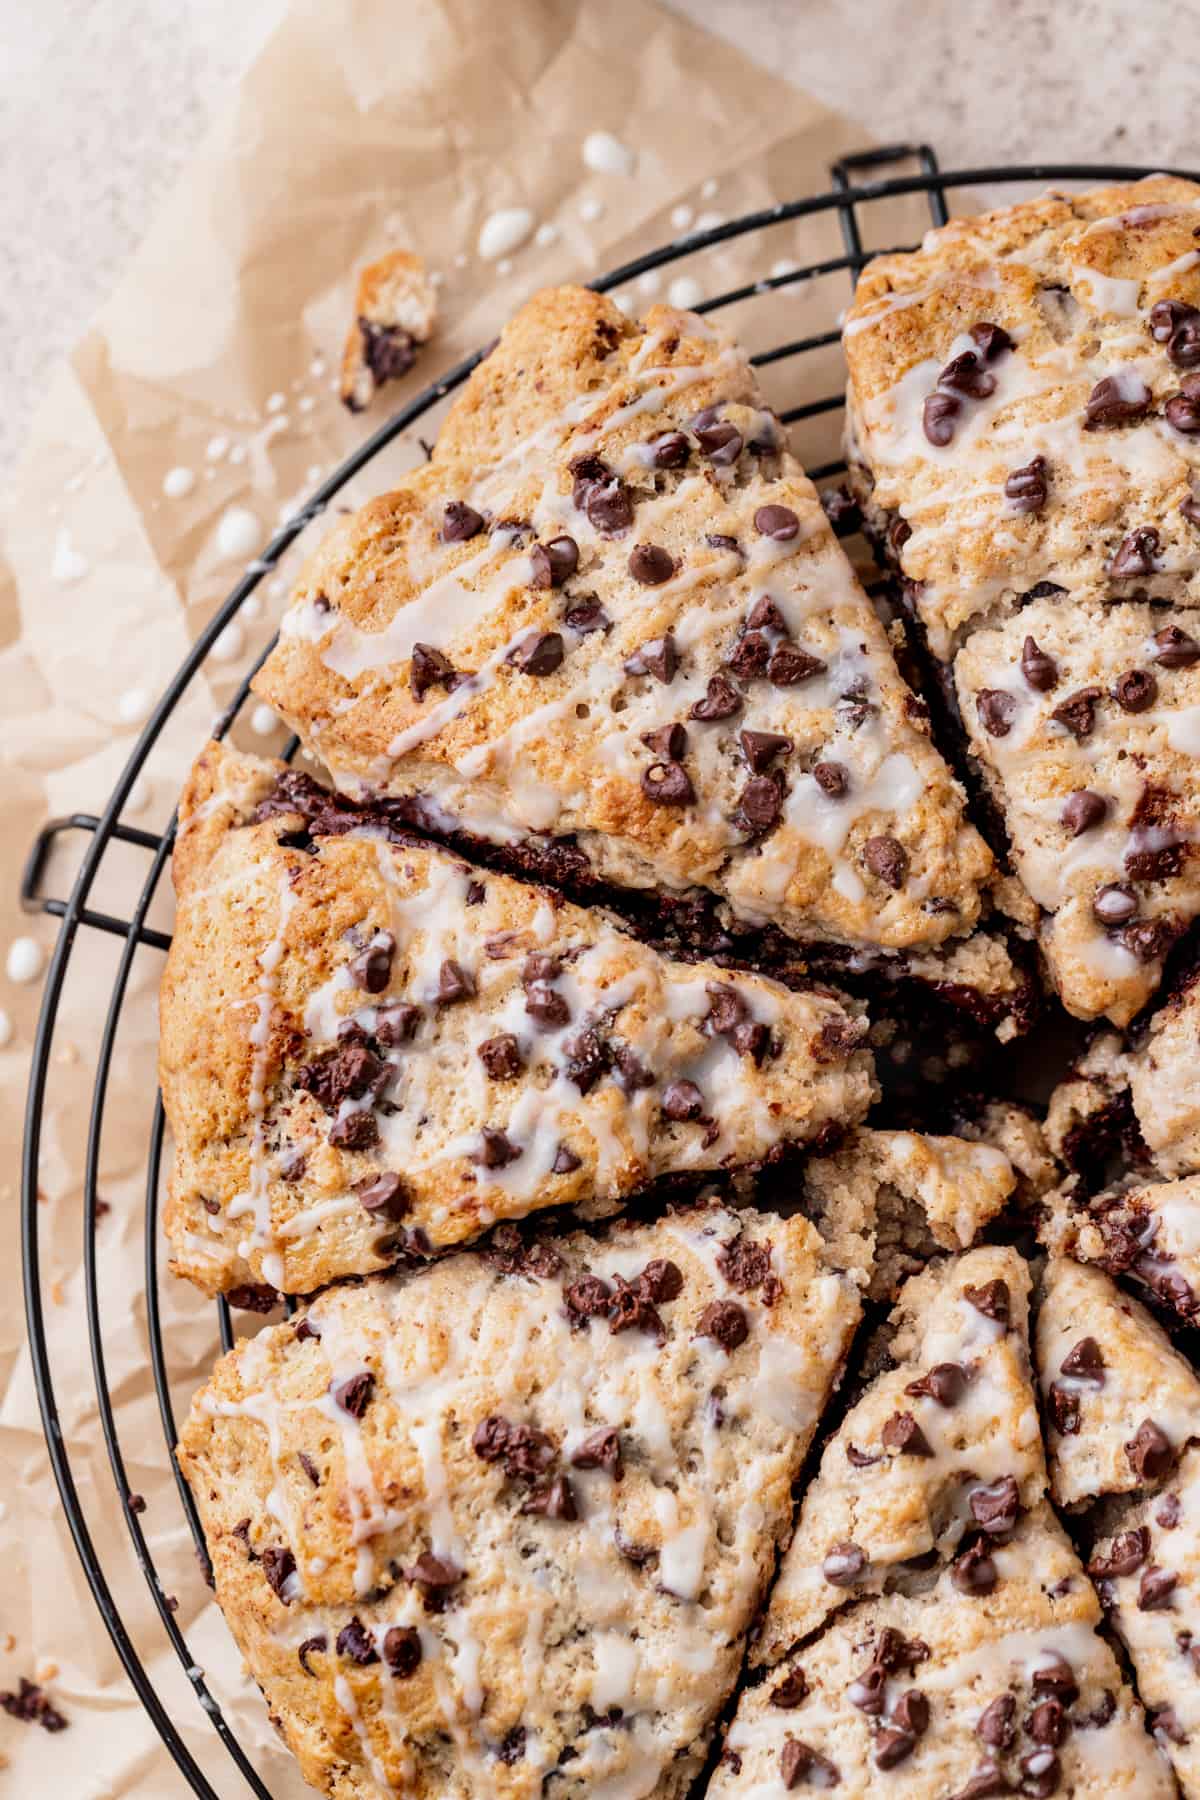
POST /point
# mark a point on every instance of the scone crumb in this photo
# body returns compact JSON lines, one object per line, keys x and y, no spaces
{"x":395,"y":310}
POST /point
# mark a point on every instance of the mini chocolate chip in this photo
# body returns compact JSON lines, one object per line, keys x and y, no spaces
{"x":435,"y":1575}
{"x":304,"y":1329}
{"x":357,"y":1130}
{"x":1149,"y":1451}
{"x":765,"y":615}
{"x":496,"y":1149}
{"x":965,"y":374}
{"x":1182,"y":410}
{"x":1169,"y":1513}
{"x":1027,"y":487}
{"x":760,"y":748}
{"x":588,"y":617}
{"x":1117,"y":400}
{"x":996,"y":1724}
{"x":832,"y":778}
{"x":991,"y":1299}
{"x":789,"y":665}
{"x":843,"y":1565}
{"x":720,"y":442}
{"x":397,"y":1024}
{"x":1166,"y":316}
{"x":373,"y":969}
{"x":799,"y":1762}
{"x":995,"y":1506}
{"x":996,"y":710}
{"x":778,"y":522}
{"x":1085,"y":1362}
{"x":749,"y":656}
{"x":1064,"y":1409}
{"x":938,"y":417}
{"x":1114,"y":904}
{"x":946,"y":1383}
{"x":1135,"y":691}
{"x":1083,"y":810}
{"x":1135,"y":554}
{"x":1054,"y":1675}
{"x":720,"y":702}
{"x":554,"y":1501}
{"x":990,"y":339}
{"x":608,"y":506}
{"x":356,"y":1642}
{"x":1155,"y":1590}
{"x":501,"y":1056}
{"x":1048,"y":1723}
{"x":1127,"y":1552}
{"x":650,"y":565}
{"x":902,"y":1434}
{"x":911,"y":1712}
{"x":683,"y":1101}
{"x":1041,"y":1774}
{"x":720,"y":540}
{"x":1038,"y":667}
{"x":430,"y":668}
{"x":668,"y":784}
{"x":454,"y":983}
{"x":658,"y":657}
{"x":760,"y":804}
{"x":460,"y":522}
{"x":587,"y":1297}
{"x":278,"y":1566}
{"x":1175,"y":648}
{"x":554,"y":563}
{"x":671,"y":450}
{"x":886,"y":858}
{"x":725,"y":1322}
{"x":1190,"y":508}
{"x":984,"y":1782}
{"x":565,"y":1161}
{"x":385,"y":1197}
{"x":791,"y":1690}
{"x":512,"y":1747}
{"x":354,"y":1394}
{"x":308,"y":1648}
{"x":974,"y":1572}
{"x":1077,"y":713}
{"x":543,"y":1003}
{"x":669,"y":742}
{"x":402,"y":1651}
{"x":601,"y":1451}
{"x":631,"y":1309}
{"x":538,"y":654}
{"x":893,"y":1746}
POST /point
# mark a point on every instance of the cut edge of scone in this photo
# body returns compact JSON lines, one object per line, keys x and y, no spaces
{"x":457,"y":1517}
{"x":395,"y":310}
{"x":371,"y":1048}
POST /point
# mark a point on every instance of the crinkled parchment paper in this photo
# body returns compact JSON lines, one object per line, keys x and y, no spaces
{"x":360,"y":126}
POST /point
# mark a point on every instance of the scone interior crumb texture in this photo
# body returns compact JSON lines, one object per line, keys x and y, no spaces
{"x":678,"y":1402}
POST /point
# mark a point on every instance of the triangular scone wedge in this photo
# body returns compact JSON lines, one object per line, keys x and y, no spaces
{"x":370,"y":1047}
{"x":1015,"y":388}
{"x":1094,"y":770}
{"x":1133,"y":1452}
{"x":943,"y":1694}
{"x":914,"y":1479}
{"x":1115,"y":1390}
{"x":1149,"y":1233}
{"x":512,"y":1515}
{"x":903,"y":1196}
{"x":609,"y":623}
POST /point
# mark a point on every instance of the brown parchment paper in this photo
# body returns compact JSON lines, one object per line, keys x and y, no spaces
{"x":361,"y":125}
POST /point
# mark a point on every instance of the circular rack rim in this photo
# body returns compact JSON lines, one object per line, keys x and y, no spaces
{"x":857,"y":184}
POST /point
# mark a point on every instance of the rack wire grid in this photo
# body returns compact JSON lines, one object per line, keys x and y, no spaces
{"x":860,"y":184}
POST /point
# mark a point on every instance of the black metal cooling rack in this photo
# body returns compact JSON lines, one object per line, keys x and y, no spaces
{"x":862,"y":187}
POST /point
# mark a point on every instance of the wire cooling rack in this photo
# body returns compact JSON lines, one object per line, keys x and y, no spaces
{"x":862,"y":186}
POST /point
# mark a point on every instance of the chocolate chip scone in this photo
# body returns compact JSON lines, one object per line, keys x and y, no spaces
{"x":370,"y":1048}
{"x":499,"y":1527}
{"x":1116,"y":1392}
{"x":1022,"y":409}
{"x":940,"y":1455}
{"x":609,"y":634}
{"x":1128,"y":1444}
{"x":1149,"y":1233}
{"x":888,"y":1668}
{"x":1163,"y":1073}
{"x":1023,"y":432}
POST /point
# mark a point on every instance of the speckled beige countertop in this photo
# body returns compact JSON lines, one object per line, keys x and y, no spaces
{"x":101,"y":105}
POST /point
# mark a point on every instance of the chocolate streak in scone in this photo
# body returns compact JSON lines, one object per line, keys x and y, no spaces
{"x":1024,"y":438}
{"x":371,"y":1048}
{"x":609,"y":632}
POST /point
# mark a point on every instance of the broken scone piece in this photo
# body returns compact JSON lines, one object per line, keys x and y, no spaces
{"x":370,"y":1047}
{"x":509,"y":1518}
{"x":608,"y":633}
{"x":1129,"y":1447}
{"x":1150,"y":1233}
{"x":395,"y":307}
{"x":912,"y":1674}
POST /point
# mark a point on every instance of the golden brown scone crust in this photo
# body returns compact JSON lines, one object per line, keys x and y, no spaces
{"x":1031,"y":1638}
{"x":295,"y":1083}
{"x":573,"y":663}
{"x":317,"y":1517}
{"x":1072,"y":280}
